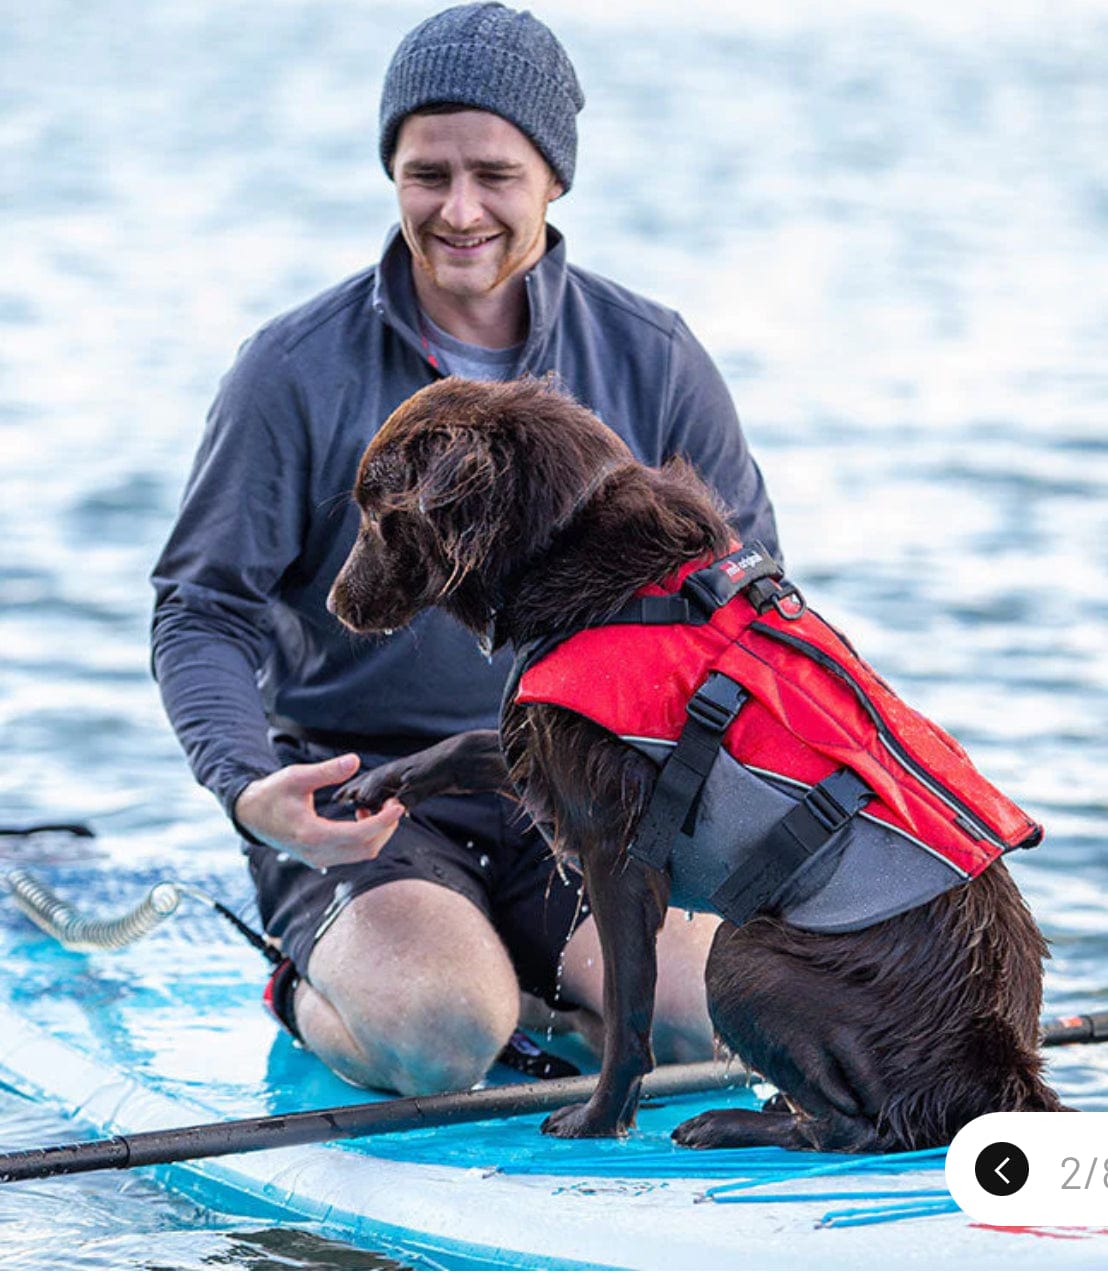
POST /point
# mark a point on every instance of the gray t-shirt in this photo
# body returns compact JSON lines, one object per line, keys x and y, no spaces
{"x":456,"y":358}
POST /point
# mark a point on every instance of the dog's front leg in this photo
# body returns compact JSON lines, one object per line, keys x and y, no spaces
{"x":467,"y":763}
{"x":629,"y":904}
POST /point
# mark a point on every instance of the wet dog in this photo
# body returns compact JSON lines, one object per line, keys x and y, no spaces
{"x":519,"y":513}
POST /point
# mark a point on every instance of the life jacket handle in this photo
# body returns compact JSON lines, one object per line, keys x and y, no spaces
{"x":749,"y":569}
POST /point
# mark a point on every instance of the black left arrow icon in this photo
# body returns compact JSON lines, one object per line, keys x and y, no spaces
{"x":1001,"y":1169}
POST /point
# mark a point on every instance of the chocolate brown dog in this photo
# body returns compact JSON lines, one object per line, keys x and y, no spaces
{"x":517,"y":511}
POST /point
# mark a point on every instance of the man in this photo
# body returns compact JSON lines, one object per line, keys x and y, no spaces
{"x":408,"y":942}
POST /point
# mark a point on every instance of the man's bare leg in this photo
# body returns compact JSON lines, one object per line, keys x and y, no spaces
{"x":682,"y":1029}
{"x":410,"y":990}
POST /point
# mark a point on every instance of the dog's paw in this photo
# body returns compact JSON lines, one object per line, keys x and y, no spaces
{"x":370,"y":790}
{"x":581,"y":1121}
{"x":735,"y":1128}
{"x":741,"y":1128}
{"x":701,"y":1131}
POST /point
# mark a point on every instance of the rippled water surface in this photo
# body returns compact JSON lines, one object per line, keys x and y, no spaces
{"x":892,"y":232}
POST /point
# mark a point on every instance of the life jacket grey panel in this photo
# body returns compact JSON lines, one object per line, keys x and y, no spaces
{"x":865,"y":873}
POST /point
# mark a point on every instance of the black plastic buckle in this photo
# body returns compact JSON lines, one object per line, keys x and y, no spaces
{"x":826,"y":810}
{"x":716,"y":701}
{"x":835,"y":801}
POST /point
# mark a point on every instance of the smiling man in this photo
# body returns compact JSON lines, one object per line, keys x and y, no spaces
{"x":408,"y":942}
{"x":473,"y":194}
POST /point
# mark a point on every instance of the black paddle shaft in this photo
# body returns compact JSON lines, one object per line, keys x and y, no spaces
{"x":162,"y":1147}
{"x":255,"y":1134}
{"x":1071,"y":1030}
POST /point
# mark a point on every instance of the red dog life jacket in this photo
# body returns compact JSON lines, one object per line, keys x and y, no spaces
{"x":793,"y":780}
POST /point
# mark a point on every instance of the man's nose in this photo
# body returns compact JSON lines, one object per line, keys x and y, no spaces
{"x":462,"y":207}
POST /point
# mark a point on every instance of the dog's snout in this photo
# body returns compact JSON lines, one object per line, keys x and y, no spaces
{"x":340,"y":597}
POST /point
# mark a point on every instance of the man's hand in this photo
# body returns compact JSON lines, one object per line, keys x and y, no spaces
{"x":279,"y":811}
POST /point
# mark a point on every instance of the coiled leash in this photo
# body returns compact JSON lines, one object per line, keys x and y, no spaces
{"x":80,"y":934}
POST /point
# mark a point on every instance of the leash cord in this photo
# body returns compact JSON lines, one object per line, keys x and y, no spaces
{"x":80,"y":934}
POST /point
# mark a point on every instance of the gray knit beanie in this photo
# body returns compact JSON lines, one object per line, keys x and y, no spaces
{"x":492,"y":58}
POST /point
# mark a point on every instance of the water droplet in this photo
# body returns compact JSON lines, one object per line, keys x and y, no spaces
{"x":485,"y":862}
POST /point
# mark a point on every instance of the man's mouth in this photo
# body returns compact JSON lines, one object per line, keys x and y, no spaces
{"x":466,"y":243}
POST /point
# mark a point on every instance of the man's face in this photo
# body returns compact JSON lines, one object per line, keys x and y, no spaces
{"x":473,"y":192}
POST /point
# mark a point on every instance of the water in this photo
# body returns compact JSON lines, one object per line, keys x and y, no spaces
{"x":889,"y":229}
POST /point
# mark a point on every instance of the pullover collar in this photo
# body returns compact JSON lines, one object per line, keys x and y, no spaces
{"x":394,"y":296}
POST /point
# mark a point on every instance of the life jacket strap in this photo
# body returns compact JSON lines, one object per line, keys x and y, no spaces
{"x":711,"y":710}
{"x":750,"y":569}
{"x":820,"y":814}
{"x":656,"y":609}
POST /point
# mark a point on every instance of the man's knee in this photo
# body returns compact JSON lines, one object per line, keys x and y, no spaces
{"x":422,"y":993}
{"x":451,"y":1046}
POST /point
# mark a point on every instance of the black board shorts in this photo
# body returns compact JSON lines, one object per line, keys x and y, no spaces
{"x":480,"y":845}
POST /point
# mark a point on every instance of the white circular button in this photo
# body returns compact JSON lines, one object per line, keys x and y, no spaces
{"x":1031,"y":1169}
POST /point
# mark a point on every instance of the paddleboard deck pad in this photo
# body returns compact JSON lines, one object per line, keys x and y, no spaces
{"x":171,"y":1032}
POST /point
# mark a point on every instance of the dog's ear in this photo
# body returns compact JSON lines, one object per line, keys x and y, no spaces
{"x":458,"y":477}
{"x":381,"y":472}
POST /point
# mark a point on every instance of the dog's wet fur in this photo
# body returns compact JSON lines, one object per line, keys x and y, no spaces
{"x":514,"y":509}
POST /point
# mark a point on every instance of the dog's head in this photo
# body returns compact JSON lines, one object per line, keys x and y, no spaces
{"x":464,"y":483}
